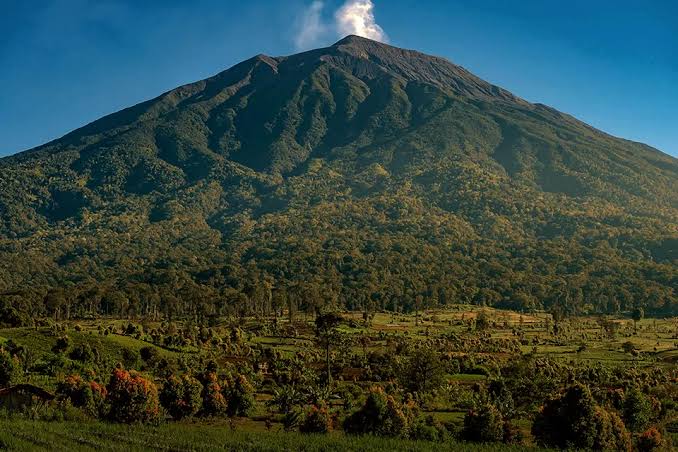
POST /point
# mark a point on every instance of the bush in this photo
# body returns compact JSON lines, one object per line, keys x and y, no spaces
{"x":88,"y":396}
{"x":213,"y":401}
{"x":381,"y":415}
{"x":181,"y":397}
{"x":484,"y":425}
{"x":240,"y":396}
{"x":83,"y":353}
{"x":133,"y":399}
{"x":317,"y":420}
{"x":427,"y":429}
{"x":9,"y":369}
{"x":149,"y":354}
{"x":637,"y":410}
{"x":61,"y":344}
{"x":573,"y":420}
{"x":649,"y":440}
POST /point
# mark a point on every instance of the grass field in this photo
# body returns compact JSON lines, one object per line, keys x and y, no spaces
{"x":63,"y":436}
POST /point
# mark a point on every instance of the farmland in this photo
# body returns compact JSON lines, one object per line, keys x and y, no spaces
{"x":436,"y":366}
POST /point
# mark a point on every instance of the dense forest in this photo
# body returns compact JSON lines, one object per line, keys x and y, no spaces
{"x":359,"y":176}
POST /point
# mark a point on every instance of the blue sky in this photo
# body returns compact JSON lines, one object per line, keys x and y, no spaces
{"x":64,"y":63}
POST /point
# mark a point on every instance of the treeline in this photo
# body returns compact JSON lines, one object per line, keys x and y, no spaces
{"x":271,"y":288}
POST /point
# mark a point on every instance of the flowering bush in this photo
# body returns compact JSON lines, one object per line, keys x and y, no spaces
{"x":89,"y":396}
{"x":132,"y":398}
{"x":318,"y":420}
{"x":213,"y":401}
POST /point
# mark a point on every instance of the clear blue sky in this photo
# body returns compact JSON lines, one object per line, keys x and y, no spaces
{"x":64,"y":63}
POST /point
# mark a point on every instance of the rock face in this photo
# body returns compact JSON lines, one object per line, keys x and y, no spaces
{"x":382,"y":174}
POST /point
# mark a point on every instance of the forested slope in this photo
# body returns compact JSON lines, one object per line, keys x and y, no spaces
{"x":360,"y":175}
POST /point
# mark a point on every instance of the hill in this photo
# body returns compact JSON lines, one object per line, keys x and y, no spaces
{"x":360,"y":175}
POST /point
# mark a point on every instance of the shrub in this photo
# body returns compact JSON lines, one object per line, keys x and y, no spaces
{"x":240,"y":396}
{"x":9,"y":369}
{"x":130,"y":358}
{"x":573,"y":420}
{"x":484,"y":425}
{"x":149,"y":354}
{"x":213,"y":401}
{"x":381,"y":415}
{"x":83,"y":353}
{"x":651,"y":439}
{"x":88,"y":396}
{"x":637,"y":410}
{"x":133,"y":399}
{"x":317,"y":420}
{"x":181,"y":397}
{"x":61,"y":344}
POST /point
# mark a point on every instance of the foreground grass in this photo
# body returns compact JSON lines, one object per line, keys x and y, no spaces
{"x":71,"y":436}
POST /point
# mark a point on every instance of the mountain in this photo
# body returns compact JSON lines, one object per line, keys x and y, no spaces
{"x":360,"y":174}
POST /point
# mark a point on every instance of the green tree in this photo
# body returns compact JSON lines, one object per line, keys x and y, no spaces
{"x":317,"y":420}
{"x":181,"y":397}
{"x":326,"y":331}
{"x":574,"y":420}
{"x":213,"y":401}
{"x":9,"y":369}
{"x":484,"y":425}
{"x":424,"y":371}
{"x":637,"y":315}
{"x":637,"y":410}
{"x":381,"y":415}
{"x":240,"y":396}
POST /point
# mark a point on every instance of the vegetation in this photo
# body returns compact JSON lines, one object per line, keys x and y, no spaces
{"x":354,"y":248}
{"x":328,"y":180}
{"x":428,"y":376}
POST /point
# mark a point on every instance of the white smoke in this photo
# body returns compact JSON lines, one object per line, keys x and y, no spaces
{"x":311,"y":26}
{"x":355,"y":17}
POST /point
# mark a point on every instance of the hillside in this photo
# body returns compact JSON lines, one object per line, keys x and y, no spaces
{"x":361,"y":175}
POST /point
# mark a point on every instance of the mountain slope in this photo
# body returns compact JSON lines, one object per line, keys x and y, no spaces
{"x":360,"y":174}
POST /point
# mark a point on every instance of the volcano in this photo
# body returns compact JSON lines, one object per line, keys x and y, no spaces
{"x":358,"y":175}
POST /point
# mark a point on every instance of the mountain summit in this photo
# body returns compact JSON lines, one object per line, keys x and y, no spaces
{"x":375,"y":173}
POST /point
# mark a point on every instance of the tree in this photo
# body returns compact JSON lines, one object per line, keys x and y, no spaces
{"x":637,"y":315}
{"x":133,"y":399}
{"x":424,"y":371}
{"x":61,"y":345}
{"x":89,"y":396}
{"x":240,"y":396}
{"x":181,"y":397}
{"x":482,"y":321}
{"x":381,"y":415}
{"x":637,"y":410}
{"x":628,"y":347}
{"x":574,"y":420}
{"x":484,"y":425}
{"x":213,"y":401}
{"x":650,"y":440}
{"x":317,"y":420}
{"x":325,"y":326}
{"x":9,"y":369}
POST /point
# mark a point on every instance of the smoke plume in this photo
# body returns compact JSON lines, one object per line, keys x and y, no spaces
{"x":355,"y":17}
{"x":311,"y":26}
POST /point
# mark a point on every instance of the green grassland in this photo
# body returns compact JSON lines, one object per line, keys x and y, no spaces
{"x":64,"y":436}
{"x":577,"y":341}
